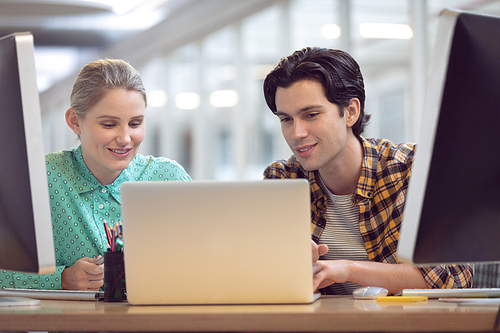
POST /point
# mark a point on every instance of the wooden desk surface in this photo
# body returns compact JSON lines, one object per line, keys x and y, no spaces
{"x":332,"y":314}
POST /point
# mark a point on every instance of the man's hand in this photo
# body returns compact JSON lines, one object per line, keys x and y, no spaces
{"x":327,"y":272}
{"x":393,"y":277}
{"x":318,"y":251}
{"x":83,"y":275}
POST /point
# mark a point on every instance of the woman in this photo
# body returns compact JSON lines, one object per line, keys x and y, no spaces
{"x":107,"y":114}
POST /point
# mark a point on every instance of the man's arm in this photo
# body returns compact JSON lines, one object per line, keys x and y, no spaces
{"x":393,"y":277}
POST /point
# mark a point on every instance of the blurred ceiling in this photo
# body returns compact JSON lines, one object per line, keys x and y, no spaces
{"x":68,"y":33}
{"x":92,"y":23}
{"x":80,"y":23}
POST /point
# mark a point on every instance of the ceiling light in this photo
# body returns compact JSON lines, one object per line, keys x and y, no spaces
{"x":187,"y":100}
{"x":224,"y":98}
{"x":385,"y":30}
{"x":157,"y":98}
{"x":331,"y":31}
{"x":120,"y":6}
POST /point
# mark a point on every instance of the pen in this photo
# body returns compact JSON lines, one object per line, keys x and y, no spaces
{"x":114,"y":236}
{"x":397,"y":299}
{"x":119,"y":245}
{"x":100,"y":261}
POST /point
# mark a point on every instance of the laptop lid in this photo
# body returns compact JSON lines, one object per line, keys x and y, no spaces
{"x":217,"y":242}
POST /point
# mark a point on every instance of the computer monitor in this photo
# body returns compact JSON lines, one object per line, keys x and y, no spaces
{"x":26,"y":241}
{"x":452,"y":211}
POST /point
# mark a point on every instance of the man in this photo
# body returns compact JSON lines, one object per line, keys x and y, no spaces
{"x":358,"y":185}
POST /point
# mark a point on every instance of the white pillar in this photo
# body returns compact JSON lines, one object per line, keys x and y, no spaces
{"x":168,"y":126}
{"x":345,"y":25}
{"x":202,"y":165}
{"x":419,"y":65}
{"x":240,"y":111}
{"x":280,"y":146}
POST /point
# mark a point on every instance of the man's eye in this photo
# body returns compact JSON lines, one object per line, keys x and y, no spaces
{"x":285,"y":119}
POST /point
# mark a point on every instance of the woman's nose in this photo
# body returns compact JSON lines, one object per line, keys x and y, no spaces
{"x":123,"y":137}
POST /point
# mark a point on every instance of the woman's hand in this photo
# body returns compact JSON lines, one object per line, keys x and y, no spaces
{"x":84,"y":274}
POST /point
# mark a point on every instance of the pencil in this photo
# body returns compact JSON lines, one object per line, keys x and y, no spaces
{"x":113,"y":244}
{"x":108,"y":235}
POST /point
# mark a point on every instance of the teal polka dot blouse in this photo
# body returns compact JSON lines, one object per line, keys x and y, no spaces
{"x":79,"y":203}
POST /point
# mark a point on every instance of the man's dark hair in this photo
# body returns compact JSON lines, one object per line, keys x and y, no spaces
{"x":336,"y":70}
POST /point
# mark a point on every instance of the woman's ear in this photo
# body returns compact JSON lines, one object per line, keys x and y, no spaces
{"x":352,"y":112}
{"x":73,"y":121}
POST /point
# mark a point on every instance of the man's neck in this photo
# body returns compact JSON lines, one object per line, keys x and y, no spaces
{"x":342,"y":178}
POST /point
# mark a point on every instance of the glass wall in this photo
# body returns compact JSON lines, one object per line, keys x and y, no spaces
{"x":206,"y":105}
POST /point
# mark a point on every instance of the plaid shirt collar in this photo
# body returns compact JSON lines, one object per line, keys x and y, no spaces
{"x":366,"y":183}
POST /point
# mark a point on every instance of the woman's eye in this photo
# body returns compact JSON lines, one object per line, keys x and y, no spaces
{"x":136,"y":124}
{"x":108,"y":125}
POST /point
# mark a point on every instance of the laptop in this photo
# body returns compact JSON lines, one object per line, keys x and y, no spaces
{"x":217,"y":242}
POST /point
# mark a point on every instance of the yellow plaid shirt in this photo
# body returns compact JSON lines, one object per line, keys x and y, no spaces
{"x":380,"y":196}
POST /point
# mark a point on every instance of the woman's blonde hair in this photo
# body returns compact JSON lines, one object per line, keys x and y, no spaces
{"x":99,"y":77}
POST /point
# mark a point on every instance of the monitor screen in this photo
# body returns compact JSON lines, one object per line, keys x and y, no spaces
{"x":452,"y":211}
{"x":26,"y":241}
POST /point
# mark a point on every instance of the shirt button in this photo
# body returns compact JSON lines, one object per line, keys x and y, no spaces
{"x":101,"y":206}
{"x":103,"y":190}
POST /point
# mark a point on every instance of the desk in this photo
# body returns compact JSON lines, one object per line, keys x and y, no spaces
{"x":327,"y":314}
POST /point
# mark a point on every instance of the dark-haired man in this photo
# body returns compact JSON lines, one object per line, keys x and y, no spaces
{"x":358,"y":185}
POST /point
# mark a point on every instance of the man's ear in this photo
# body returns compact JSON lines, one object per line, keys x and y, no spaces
{"x":352,"y":112}
{"x":73,"y":121}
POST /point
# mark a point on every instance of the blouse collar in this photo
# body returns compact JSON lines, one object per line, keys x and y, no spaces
{"x":85,"y":181}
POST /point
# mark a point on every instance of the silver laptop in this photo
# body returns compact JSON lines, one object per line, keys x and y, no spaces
{"x":217,"y":242}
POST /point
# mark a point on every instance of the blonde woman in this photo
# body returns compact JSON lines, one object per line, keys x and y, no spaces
{"x":107,"y":114}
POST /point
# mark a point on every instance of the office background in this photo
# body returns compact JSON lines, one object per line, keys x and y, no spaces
{"x":203,"y":63}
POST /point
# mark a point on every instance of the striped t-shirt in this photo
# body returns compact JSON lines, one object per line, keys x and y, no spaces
{"x":343,"y":237}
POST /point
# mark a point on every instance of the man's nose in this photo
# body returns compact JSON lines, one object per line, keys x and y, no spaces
{"x":299,"y":129}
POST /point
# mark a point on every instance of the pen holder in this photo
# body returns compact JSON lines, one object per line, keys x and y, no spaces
{"x":114,"y":277}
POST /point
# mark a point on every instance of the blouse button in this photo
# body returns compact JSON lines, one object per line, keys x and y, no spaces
{"x":103,"y":190}
{"x":101,"y":206}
